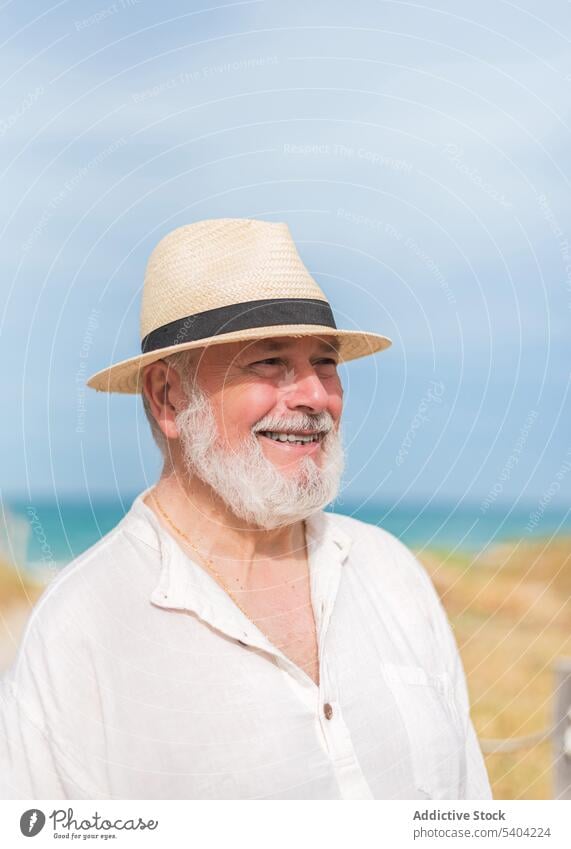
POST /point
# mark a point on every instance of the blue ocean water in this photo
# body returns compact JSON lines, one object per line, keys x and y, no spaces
{"x":61,"y":530}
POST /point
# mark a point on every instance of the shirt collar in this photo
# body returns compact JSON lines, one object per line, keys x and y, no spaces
{"x":186,"y":585}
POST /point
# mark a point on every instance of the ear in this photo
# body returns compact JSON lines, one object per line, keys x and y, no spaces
{"x":163,"y":389}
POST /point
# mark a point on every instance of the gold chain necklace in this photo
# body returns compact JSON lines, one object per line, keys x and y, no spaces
{"x":207,"y":561}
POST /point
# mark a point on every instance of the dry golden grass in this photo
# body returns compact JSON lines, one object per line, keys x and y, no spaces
{"x":17,"y":597}
{"x":15,"y":588}
{"x":511,"y":612}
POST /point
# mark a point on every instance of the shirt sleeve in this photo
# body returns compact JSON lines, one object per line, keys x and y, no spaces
{"x":44,"y":697}
{"x":475,"y":784}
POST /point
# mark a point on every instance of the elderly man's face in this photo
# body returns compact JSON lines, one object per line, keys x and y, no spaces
{"x":275,"y":388}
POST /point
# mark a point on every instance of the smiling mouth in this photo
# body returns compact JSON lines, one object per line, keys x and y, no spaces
{"x":292,"y":438}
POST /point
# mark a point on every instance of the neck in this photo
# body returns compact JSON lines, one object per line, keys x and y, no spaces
{"x":234,"y":545}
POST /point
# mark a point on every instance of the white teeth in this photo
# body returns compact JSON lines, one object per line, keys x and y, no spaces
{"x":291,"y":437}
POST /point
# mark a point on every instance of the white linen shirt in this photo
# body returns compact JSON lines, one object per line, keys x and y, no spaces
{"x":139,"y":678}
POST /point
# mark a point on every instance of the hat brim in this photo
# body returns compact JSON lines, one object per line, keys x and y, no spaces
{"x":127,"y":376}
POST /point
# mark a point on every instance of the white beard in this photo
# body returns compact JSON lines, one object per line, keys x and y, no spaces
{"x":250,"y":485}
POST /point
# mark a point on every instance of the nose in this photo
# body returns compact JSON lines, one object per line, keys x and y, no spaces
{"x":306,"y":391}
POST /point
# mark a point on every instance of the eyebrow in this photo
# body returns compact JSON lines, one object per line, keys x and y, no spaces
{"x":277,"y":345}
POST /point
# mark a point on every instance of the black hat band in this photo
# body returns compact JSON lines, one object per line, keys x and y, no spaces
{"x":265,"y":313}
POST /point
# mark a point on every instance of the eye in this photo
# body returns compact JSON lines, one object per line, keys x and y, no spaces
{"x":271,"y":361}
{"x":327,"y":365}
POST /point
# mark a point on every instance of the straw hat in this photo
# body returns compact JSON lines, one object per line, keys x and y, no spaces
{"x":227,"y":280}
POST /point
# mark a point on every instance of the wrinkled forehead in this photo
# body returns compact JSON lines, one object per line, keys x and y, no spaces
{"x":318,"y":343}
{"x":279,"y":344}
{"x":273,"y":345}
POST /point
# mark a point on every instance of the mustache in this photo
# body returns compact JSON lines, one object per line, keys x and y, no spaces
{"x":322,"y":422}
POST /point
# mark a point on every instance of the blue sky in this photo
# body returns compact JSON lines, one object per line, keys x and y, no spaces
{"x":419,"y":153}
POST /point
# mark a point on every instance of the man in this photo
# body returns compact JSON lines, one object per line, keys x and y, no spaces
{"x":229,"y":639}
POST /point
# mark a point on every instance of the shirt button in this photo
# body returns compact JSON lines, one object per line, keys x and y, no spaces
{"x":327,"y":710}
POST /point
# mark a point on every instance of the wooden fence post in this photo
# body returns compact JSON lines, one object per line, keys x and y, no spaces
{"x":562,"y":729}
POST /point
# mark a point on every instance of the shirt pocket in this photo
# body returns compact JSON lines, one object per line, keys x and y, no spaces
{"x":425,"y":703}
